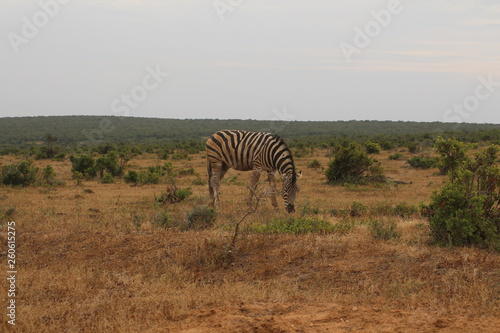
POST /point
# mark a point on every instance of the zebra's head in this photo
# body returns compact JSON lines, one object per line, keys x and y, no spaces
{"x":290,"y":189}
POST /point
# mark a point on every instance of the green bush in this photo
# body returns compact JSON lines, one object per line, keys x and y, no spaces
{"x":466,"y":210}
{"x":201,"y":217}
{"x":164,"y":154}
{"x":422,"y":162}
{"x":49,"y":177}
{"x":372,"y":147}
{"x":60,"y":156}
{"x":131,"y":177}
{"x":23,"y":174}
{"x":85,"y":164}
{"x":453,"y":154}
{"x":149,"y":177}
{"x":110,"y":164}
{"x":396,"y":156}
{"x":107,"y":179}
{"x":387,"y":144}
{"x":352,"y":165}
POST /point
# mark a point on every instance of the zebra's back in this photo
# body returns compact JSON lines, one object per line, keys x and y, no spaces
{"x":236,"y":148}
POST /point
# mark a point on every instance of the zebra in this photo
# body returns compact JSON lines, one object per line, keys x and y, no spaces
{"x":256,"y":152}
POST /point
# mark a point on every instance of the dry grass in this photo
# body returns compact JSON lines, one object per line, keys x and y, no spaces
{"x":91,"y":260}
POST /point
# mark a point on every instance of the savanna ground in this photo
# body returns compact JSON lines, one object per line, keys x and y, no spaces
{"x":93,"y":258}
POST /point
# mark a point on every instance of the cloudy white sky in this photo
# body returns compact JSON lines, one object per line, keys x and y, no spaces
{"x":420,"y":60}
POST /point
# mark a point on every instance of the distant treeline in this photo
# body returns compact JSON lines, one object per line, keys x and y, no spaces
{"x":71,"y":131}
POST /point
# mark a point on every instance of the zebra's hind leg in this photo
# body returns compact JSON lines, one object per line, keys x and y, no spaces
{"x":218,"y":170}
{"x":271,"y":177}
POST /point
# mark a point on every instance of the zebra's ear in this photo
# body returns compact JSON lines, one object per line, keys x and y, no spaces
{"x":299,"y":174}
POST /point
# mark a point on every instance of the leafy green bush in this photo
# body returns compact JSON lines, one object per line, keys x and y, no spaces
{"x":149,"y":177}
{"x":60,"y":156}
{"x":396,"y":156}
{"x":351,"y":164}
{"x":295,"y":225}
{"x":110,"y":164}
{"x":131,"y":177}
{"x":107,"y":179}
{"x":22,"y":174}
{"x":422,"y":162}
{"x":387,"y":144}
{"x":164,"y":154}
{"x":466,"y":210}
{"x":49,"y":177}
{"x":453,"y":154}
{"x":201,"y":217}
{"x":85,"y":164}
{"x":372,"y":147}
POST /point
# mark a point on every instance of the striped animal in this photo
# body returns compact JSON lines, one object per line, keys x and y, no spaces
{"x":245,"y":151}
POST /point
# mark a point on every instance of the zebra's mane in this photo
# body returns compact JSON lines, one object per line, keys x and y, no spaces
{"x":282,"y":142}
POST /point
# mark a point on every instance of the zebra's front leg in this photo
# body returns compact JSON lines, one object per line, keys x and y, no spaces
{"x":254,"y":180}
{"x":271,"y":177}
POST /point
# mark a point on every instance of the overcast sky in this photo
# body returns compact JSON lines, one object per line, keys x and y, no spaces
{"x":421,"y":60}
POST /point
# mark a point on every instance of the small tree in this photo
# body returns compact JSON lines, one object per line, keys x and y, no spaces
{"x":453,"y":153}
{"x":372,"y":147}
{"x":351,"y":164}
{"x":466,"y":211}
{"x":23,"y":174}
{"x":413,"y":147}
{"x":113,"y":163}
{"x":85,"y":164}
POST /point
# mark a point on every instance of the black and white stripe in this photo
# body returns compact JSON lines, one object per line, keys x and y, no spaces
{"x":245,"y":151}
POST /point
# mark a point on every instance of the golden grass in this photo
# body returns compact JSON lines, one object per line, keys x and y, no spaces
{"x":90,"y":260}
